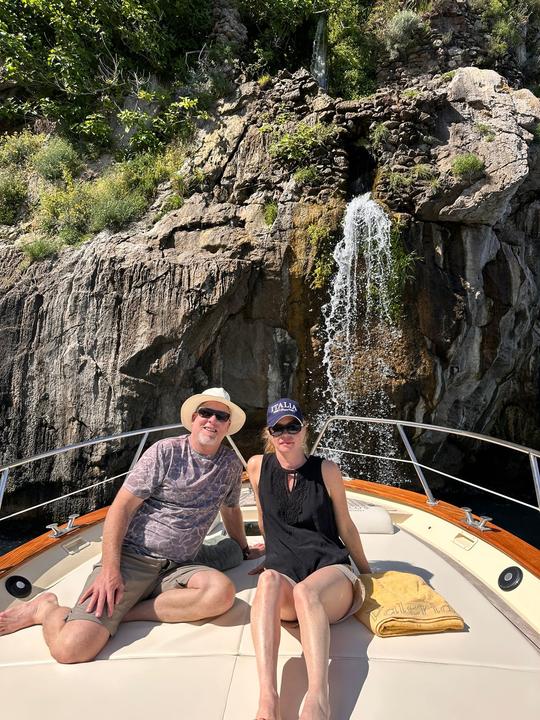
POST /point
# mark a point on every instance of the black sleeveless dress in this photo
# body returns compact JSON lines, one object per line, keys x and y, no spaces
{"x":300,"y":528}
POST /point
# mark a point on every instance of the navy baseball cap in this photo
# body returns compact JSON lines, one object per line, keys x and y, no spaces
{"x":285,"y":407}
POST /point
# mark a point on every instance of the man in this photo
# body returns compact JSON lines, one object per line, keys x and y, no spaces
{"x":152,"y":533}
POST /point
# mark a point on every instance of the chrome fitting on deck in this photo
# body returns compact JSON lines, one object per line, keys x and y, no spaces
{"x":478,"y":524}
{"x":56,"y":533}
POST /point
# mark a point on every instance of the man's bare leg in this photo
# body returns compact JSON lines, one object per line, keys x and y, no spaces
{"x":208,"y":593}
{"x":26,"y":614}
{"x":73,"y":642}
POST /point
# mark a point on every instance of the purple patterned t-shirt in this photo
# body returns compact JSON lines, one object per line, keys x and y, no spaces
{"x":183,"y":491}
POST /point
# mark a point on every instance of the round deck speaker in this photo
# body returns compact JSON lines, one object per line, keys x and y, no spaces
{"x":18,"y":586}
{"x":510,"y":578}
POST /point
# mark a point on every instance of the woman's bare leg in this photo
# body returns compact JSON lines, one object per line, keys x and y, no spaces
{"x":322,"y":598}
{"x":273,"y":601}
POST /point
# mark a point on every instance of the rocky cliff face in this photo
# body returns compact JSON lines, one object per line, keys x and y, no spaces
{"x":476,"y":287}
{"x":114,"y":334}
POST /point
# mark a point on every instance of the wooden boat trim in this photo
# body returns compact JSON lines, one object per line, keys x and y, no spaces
{"x":32,"y":548}
{"x":519,"y":550}
{"x":526,"y":555}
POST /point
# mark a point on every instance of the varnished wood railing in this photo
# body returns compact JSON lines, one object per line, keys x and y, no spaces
{"x":40,"y":544}
{"x":518,"y":550}
{"x":524,"y":554}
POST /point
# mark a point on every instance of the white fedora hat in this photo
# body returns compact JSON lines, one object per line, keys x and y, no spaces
{"x":189,"y":406}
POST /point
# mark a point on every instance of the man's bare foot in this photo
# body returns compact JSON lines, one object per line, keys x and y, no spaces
{"x":268,"y":708}
{"x":26,"y":614}
{"x":315,"y":709}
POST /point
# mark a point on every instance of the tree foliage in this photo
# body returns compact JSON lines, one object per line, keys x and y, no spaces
{"x":64,"y":57}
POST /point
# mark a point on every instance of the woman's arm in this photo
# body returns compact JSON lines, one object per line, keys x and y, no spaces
{"x":254,"y":473}
{"x":346,"y":528}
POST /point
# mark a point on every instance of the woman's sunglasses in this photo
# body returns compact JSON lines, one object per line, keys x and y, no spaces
{"x":220,"y":415}
{"x":292,"y":428}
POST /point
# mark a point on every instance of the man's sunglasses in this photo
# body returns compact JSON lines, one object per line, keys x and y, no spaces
{"x":292,"y":428}
{"x":207,"y":413}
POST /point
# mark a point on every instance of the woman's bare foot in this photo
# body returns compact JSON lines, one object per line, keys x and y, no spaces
{"x":315,"y":708}
{"x":26,"y":614}
{"x":268,"y":707}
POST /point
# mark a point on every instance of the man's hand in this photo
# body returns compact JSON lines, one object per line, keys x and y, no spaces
{"x":106,"y":590}
{"x":256,"y":551}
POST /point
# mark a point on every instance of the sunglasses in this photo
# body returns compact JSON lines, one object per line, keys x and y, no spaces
{"x":292,"y":428}
{"x":220,"y":415}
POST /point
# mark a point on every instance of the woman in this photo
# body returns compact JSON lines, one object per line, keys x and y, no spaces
{"x":306,"y":576}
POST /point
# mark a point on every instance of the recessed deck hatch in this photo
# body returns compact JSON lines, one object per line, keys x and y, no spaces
{"x":464,"y":541}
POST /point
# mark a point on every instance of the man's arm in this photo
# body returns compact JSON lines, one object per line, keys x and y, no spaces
{"x":108,"y":588}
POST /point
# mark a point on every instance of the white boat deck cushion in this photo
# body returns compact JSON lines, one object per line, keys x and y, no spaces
{"x":207,"y":670}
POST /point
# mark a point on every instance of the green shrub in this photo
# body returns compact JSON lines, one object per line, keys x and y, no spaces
{"x":115,"y":199}
{"x":352,"y":49}
{"x":399,"y":180}
{"x":13,"y":195}
{"x":173,"y":202}
{"x":411,"y":93}
{"x":467,"y":167}
{"x":321,"y":243}
{"x":323,"y":269}
{"x":142,"y":173}
{"x":56,"y":159}
{"x":65,"y":212}
{"x":503,"y":20}
{"x":72,"y":59}
{"x":264,"y":81}
{"x":423,"y":171}
{"x":152,"y":131}
{"x":536,"y":133}
{"x":308,"y":175}
{"x":447,"y":76}
{"x":404,"y":179}
{"x":113,"y":206}
{"x":379,"y":135}
{"x":39,"y":248}
{"x":73,"y":211}
{"x":485,"y":131}
{"x":95,"y":129}
{"x":270,"y":213}
{"x":303,"y":144}
{"x":402,"y":270}
{"x":18,"y":148}
{"x":403,"y":32}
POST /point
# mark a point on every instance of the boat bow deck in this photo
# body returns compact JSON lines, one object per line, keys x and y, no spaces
{"x":207,"y":670}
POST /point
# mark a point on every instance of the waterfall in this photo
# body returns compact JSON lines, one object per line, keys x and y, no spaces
{"x":319,"y":64}
{"x":358,"y":330}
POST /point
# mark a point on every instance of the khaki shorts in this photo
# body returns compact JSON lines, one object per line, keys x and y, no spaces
{"x":146,"y":577}
{"x":359,"y":592}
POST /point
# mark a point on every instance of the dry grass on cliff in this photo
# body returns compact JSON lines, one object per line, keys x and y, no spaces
{"x":44,"y":181}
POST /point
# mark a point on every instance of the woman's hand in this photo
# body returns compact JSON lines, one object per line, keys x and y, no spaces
{"x":257,"y":570}
{"x":256,"y":551}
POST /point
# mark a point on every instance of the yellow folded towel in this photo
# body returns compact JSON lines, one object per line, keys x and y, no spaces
{"x":399,"y":603}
